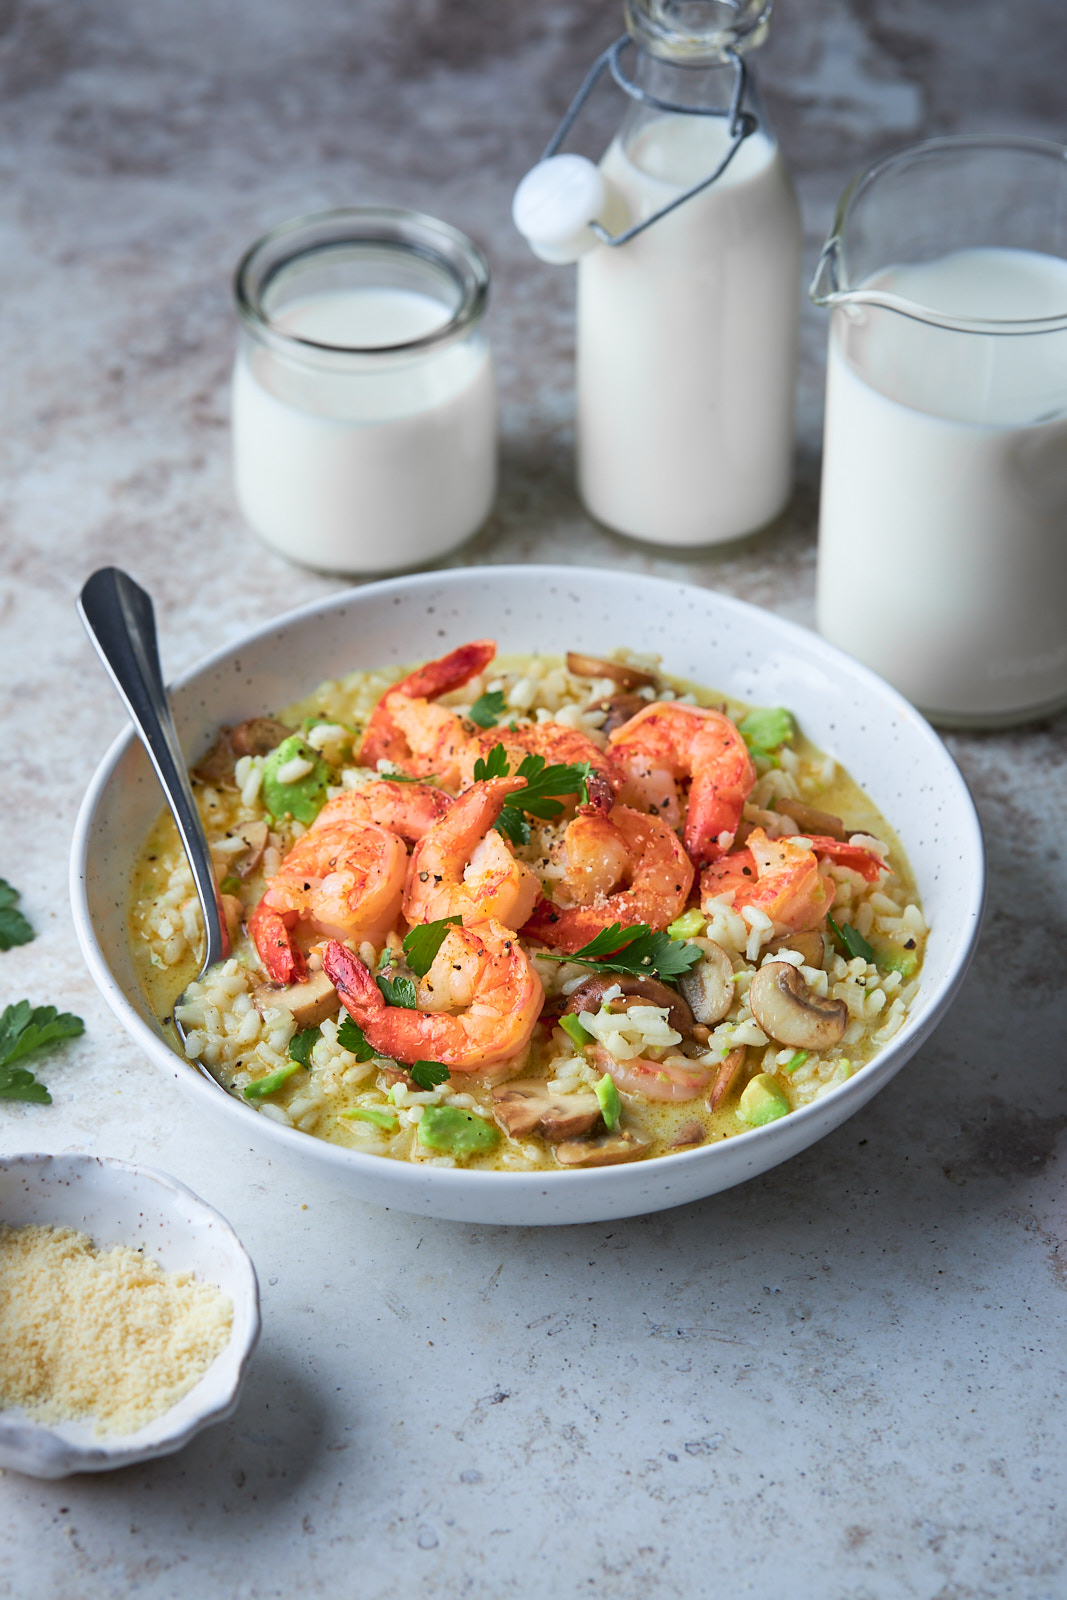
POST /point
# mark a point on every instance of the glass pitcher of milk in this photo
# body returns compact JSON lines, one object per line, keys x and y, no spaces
{"x":687,"y":238}
{"x":943,"y":525}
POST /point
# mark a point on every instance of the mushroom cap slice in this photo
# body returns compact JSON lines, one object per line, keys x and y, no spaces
{"x":619,"y":672}
{"x":809,"y":946}
{"x":618,"y":708}
{"x":310,"y":1002}
{"x":635,"y":991}
{"x":709,"y":986}
{"x":809,"y":819}
{"x":726,"y":1076}
{"x":607,"y":1151}
{"x":688,"y":1134}
{"x":527,"y":1105}
{"x":787,"y":1011}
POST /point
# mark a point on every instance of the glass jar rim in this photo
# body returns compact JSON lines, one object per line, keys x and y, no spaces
{"x":414,"y":233}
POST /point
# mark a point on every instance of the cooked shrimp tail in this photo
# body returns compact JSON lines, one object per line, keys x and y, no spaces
{"x":271,"y":932}
{"x":405,"y":726}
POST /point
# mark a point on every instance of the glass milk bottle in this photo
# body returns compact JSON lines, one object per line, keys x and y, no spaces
{"x":688,"y":243}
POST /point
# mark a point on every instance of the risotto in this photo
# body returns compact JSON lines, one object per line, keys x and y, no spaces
{"x":526,"y":913}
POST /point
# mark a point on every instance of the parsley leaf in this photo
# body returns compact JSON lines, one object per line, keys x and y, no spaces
{"x":487,"y":708}
{"x":422,"y":944}
{"x":14,"y":927}
{"x":542,"y":796}
{"x":495,"y":765}
{"x":406,"y":777}
{"x":850,"y":939}
{"x":428,"y":1074}
{"x":24,"y":1028}
{"x":398,"y":992}
{"x":302,"y":1044}
{"x":635,"y":950}
{"x":350,"y":1037}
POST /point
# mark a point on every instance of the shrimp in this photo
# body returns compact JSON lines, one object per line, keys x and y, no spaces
{"x":408,"y":809}
{"x":344,"y":880}
{"x":673,"y":1079}
{"x":407,"y":728}
{"x":481,"y":999}
{"x":602,"y":852}
{"x":463,"y":867}
{"x":781,"y":877}
{"x":666,"y":743}
{"x":557,"y":744}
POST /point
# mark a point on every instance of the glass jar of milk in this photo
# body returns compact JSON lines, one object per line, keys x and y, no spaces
{"x":364,"y":407}
{"x":943,"y":524}
{"x":688,"y":243}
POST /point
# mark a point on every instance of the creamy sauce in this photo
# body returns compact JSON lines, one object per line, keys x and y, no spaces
{"x":686,"y":341}
{"x":942,"y":544}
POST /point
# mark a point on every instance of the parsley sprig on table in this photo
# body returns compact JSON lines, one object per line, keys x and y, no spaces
{"x":23,"y":1029}
{"x":546,"y":788}
{"x":14,"y":927}
{"x":637,"y":951}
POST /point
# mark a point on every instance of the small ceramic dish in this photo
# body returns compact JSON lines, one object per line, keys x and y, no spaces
{"x":118,"y":1203}
{"x":702,"y":636}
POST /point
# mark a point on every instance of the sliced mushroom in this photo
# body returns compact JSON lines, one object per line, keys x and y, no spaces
{"x":527,"y":1105}
{"x":635,"y":992}
{"x":809,"y":819}
{"x":217,"y":766}
{"x":606,"y":1151}
{"x":255,"y":836}
{"x":618,"y":708}
{"x":787,"y":1011}
{"x":726,"y":1077}
{"x":258,"y":736}
{"x":593,"y":667}
{"x":709,"y":986}
{"x":809,"y":946}
{"x":310,"y":1002}
{"x":688,"y":1133}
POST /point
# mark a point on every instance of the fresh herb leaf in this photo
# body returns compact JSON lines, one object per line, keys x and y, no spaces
{"x":407,"y":777}
{"x":495,"y":765}
{"x":578,"y":1035}
{"x":274,"y":1080}
{"x":513,"y":825}
{"x":610,"y":1104}
{"x":850,"y":940}
{"x":375,"y":1114}
{"x":350,"y":1037}
{"x":302,"y":1044}
{"x":428,"y":1074}
{"x":14,"y":927}
{"x":487,"y":708}
{"x":422,"y":944}
{"x":398,"y":992}
{"x":766,"y":730}
{"x":634,"y":950}
{"x":23,"y":1029}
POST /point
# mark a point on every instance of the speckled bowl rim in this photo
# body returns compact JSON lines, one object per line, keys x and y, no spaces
{"x":592,"y":1194}
{"x":47,"y":1451}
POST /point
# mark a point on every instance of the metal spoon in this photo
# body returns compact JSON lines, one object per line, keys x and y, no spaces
{"x":119,"y":619}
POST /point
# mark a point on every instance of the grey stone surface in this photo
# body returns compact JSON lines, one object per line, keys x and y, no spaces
{"x":842,"y":1380}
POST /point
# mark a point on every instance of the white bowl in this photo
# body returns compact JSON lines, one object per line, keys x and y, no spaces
{"x":118,"y":1203}
{"x":707,"y":637}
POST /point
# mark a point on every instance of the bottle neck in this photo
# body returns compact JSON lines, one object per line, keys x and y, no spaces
{"x":710,"y":88}
{"x":697,"y":31}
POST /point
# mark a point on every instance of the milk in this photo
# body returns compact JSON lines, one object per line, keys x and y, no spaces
{"x":943,"y":527}
{"x":686,"y":341}
{"x":354,"y":462}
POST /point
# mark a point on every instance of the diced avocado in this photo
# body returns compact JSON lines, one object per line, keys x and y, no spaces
{"x":763,"y":1101}
{"x":274,"y":1080}
{"x":766,"y":730}
{"x":381,"y":1118}
{"x":302,"y":799}
{"x":456,"y":1132}
{"x":796,"y":1060}
{"x":578,"y":1035}
{"x":230,"y":885}
{"x":892,"y":958}
{"x":610,"y":1104}
{"x":688,"y":925}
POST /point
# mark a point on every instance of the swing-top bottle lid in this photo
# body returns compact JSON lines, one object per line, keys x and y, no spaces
{"x":554,"y":205}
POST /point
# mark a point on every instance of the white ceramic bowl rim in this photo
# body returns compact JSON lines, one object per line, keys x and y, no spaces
{"x":916,"y":1029}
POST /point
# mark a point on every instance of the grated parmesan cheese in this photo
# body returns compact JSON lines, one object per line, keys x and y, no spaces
{"x":102,"y":1335}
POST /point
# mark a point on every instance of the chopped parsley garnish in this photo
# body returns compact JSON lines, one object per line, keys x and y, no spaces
{"x":302,"y":1044}
{"x":350,"y":1037}
{"x":23,"y":1029}
{"x":765,"y":731}
{"x":407,"y":777}
{"x":635,"y":950}
{"x":486,"y":710}
{"x":398,"y":992}
{"x":14,"y":927}
{"x":422,"y":944}
{"x":542,"y":797}
{"x":428,"y":1074}
{"x":850,"y":940}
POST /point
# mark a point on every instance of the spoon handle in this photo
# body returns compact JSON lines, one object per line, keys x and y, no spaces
{"x":120,"y":621}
